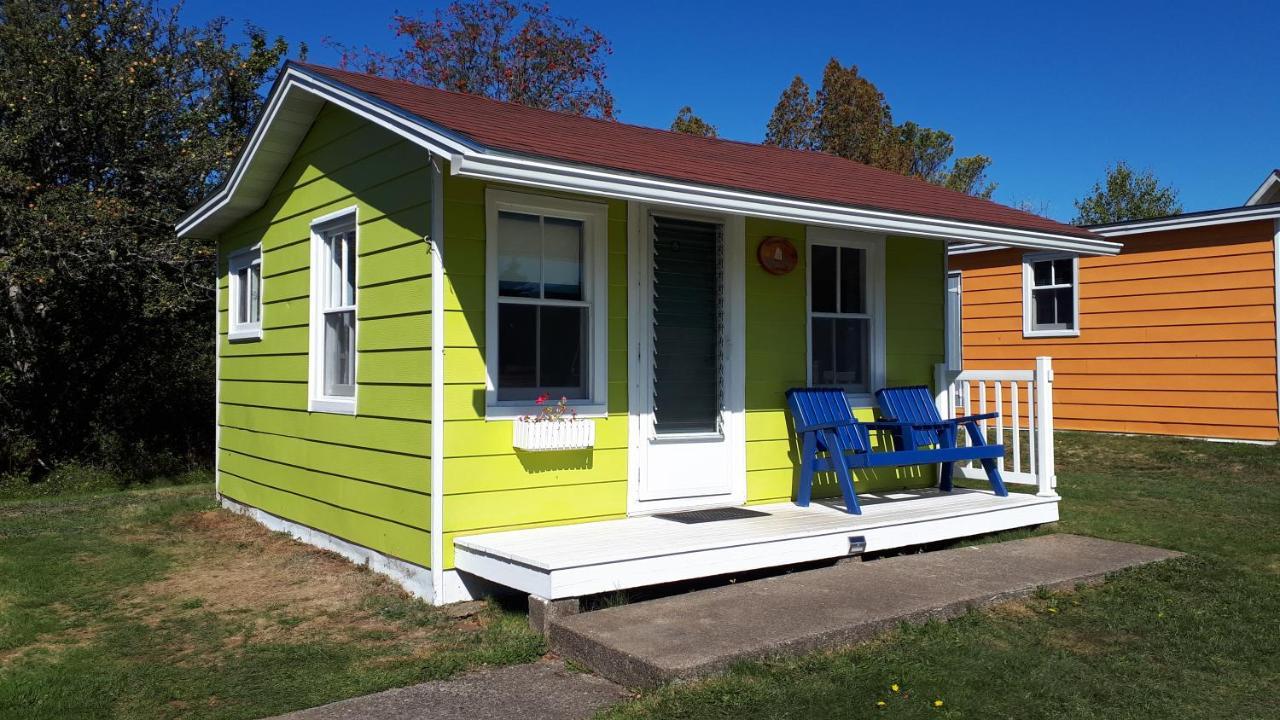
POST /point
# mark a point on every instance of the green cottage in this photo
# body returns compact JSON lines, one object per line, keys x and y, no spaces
{"x":405,"y":272}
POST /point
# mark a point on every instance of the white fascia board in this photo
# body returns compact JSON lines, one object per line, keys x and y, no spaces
{"x":582,"y":179}
{"x":295,"y":80}
{"x":1183,"y":222}
{"x":1271,"y":183}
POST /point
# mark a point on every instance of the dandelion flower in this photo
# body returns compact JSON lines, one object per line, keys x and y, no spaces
{"x":937,"y":703}
{"x":894,"y":687}
{"x":879,"y":703}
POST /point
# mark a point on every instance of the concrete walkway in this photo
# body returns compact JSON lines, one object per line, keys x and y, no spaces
{"x":543,"y":690}
{"x":700,"y":633}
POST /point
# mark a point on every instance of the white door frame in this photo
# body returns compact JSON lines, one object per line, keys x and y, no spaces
{"x":735,"y":242}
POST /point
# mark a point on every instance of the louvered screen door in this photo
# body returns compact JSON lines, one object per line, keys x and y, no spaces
{"x":684,"y":360}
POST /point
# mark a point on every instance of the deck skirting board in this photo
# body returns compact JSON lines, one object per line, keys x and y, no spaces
{"x":415,"y":579}
{"x":484,"y":556}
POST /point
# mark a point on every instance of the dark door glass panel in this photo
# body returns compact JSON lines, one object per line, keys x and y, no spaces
{"x":686,"y":326}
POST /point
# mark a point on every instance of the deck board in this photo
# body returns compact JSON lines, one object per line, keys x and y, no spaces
{"x":604,"y":550}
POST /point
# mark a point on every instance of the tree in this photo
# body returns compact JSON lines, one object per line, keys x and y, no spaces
{"x":851,"y":118}
{"x":1126,"y":195}
{"x":519,"y":53}
{"x":114,"y":119}
{"x":688,"y":123}
{"x":792,"y":123}
{"x":969,"y":175}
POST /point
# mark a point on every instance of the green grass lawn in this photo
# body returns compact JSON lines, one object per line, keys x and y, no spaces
{"x":152,"y":604}
{"x":1193,"y":638}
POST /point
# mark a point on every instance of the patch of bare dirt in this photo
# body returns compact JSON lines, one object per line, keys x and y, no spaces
{"x":1080,"y":643}
{"x":1017,"y":609}
{"x":54,"y":643}
{"x":276,"y":588}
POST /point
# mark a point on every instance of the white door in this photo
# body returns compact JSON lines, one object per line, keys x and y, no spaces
{"x":687,"y":389}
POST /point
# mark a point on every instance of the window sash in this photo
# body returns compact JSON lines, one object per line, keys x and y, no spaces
{"x":865,"y":331}
{"x":539,"y":276}
{"x":1042,"y":294}
{"x":244,"y":271}
{"x":335,"y":322}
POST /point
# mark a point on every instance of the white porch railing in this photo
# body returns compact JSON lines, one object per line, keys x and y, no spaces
{"x":1024,"y":399}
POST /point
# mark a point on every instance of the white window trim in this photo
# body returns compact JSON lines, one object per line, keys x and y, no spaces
{"x":237,"y":261}
{"x":317,"y":401}
{"x":595,"y":278}
{"x":1028,"y":277}
{"x":874,"y":247}
{"x":954,"y":332}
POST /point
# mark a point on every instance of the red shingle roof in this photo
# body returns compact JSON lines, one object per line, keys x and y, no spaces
{"x":743,"y":166}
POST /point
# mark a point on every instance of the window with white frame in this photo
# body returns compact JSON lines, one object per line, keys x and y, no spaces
{"x":333,"y":322}
{"x":546,"y":302}
{"x":1050,"y":295}
{"x":846,"y":347}
{"x":244,"y":272}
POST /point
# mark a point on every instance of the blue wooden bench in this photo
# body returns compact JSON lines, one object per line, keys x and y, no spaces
{"x":832,"y":440}
{"x":922,"y":425}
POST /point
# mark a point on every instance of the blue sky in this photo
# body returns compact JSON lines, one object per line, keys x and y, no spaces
{"x":1053,"y":92}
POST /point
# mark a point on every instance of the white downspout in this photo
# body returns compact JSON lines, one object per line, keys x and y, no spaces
{"x":437,"y":381}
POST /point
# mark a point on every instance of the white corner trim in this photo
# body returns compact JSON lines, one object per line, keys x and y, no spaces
{"x":413,"y":578}
{"x":1028,"y":329}
{"x":874,"y":246}
{"x":1275,"y":247}
{"x":438,"y":423}
{"x":595,"y":278}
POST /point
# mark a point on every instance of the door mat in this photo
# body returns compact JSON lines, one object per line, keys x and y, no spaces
{"x":693,"y":517}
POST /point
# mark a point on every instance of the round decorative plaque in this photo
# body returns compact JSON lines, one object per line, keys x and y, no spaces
{"x":777,"y":255}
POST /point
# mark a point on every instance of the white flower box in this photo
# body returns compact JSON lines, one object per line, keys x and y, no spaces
{"x":549,"y":435}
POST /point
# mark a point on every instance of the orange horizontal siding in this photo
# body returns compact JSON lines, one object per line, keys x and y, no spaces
{"x":1178,"y":334}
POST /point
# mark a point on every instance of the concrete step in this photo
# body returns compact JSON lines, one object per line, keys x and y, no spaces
{"x":700,"y":633}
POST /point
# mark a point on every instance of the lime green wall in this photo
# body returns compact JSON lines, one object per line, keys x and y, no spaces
{"x":487,"y":485}
{"x":363,"y":478}
{"x":915,"y":273}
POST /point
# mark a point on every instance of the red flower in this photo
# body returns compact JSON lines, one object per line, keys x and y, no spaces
{"x":542,"y":398}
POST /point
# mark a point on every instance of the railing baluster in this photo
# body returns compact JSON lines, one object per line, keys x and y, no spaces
{"x":1000,"y":421}
{"x":1017,"y":434}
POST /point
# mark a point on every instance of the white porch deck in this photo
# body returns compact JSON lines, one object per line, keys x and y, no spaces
{"x":575,"y":560}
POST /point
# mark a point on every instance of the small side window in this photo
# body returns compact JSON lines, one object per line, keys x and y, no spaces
{"x":1050,"y":295}
{"x":244,"y":271}
{"x":333,"y":319}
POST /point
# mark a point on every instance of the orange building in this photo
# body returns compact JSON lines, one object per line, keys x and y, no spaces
{"x":1176,"y":335}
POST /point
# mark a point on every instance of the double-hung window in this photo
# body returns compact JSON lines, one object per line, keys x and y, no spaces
{"x":546,"y":302}
{"x":1050,"y":295}
{"x":333,"y":321}
{"x":244,"y":273}
{"x":846,"y":347}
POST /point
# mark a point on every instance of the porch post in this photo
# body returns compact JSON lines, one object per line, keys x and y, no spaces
{"x":1046,"y":481}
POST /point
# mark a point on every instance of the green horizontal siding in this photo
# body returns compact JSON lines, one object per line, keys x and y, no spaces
{"x":776,"y":354}
{"x":364,"y":478}
{"x":488,"y":486}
